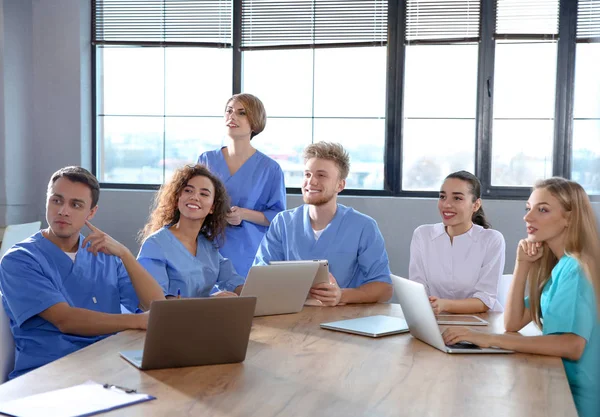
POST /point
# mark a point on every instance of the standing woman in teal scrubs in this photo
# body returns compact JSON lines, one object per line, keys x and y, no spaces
{"x":254,"y":182}
{"x":560,"y":259}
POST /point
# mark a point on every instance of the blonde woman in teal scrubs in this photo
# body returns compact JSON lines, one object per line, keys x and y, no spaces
{"x":560,"y":259}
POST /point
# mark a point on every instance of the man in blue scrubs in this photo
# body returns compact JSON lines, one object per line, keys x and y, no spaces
{"x":323,"y":229}
{"x":62,"y":291}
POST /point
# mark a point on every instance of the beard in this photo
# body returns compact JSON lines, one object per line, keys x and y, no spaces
{"x":320,"y":200}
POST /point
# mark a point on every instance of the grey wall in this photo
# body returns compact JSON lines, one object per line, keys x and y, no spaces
{"x":123,"y":214}
{"x":61,"y":86}
{"x":45,"y":62}
{"x":17,"y":173}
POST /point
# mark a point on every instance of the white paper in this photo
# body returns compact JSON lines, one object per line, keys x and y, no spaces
{"x":84,"y":399}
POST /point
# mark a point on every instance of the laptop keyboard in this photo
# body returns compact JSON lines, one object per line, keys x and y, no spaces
{"x":464,"y":345}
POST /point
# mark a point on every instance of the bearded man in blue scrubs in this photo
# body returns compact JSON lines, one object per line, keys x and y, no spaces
{"x":324,"y":229}
{"x":63,"y":291}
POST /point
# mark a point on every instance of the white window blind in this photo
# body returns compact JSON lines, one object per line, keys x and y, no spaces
{"x":269,"y":24}
{"x":530,"y":19}
{"x":442,"y":21}
{"x":162,"y":22}
{"x":588,"y":21}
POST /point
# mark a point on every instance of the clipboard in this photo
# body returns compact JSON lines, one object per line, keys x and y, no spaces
{"x":82,"y":400}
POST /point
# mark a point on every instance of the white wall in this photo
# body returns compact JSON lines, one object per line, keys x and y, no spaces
{"x":61,"y":102}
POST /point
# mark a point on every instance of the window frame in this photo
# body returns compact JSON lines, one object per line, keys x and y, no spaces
{"x":392,"y":187}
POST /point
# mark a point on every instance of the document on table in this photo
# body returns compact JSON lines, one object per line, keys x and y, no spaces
{"x":80,"y":400}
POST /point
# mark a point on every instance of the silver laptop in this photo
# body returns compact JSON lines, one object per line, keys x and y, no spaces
{"x":279,"y":289}
{"x":372,"y":326}
{"x":322,"y":275}
{"x":421,"y":320}
{"x":195,"y":331}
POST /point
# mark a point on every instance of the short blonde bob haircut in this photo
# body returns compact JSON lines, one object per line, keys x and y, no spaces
{"x":255,"y":111}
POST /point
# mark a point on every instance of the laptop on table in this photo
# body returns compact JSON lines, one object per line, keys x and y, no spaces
{"x":372,"y":326}
{"x":280,"y":289}
{"x":195,"y":331}
{"x":422,"y":322}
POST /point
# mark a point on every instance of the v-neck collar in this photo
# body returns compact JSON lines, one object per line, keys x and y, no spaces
{"x":329,"y":230}
{"x":226,"y":167}
{"x":181,"y":245}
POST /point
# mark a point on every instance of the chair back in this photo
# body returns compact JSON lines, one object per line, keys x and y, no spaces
{"x":16,"y":233}
{"x":503,"y":287}
{"x":7,"y":345}
{"x":12,"y":235}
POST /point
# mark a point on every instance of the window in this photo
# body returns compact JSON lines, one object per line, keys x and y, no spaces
{"x":440,"y":91}
{"x":586,"y":124}
{"x":413,"y":89}
{"x":321,"y":106}
{"x":524,"y":91}
{"x":158,"y":102}
{"x":330,"y":87}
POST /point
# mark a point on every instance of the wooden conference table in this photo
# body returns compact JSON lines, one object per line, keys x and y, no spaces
{"x":294,"y":368}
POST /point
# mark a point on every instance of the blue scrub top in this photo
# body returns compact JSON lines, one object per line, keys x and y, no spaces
{"x":175,"y":268}
{"x":352,"y":243}
{"x":258,"y":185}
{"x":568,"y":305}
{"x":35,"y":275}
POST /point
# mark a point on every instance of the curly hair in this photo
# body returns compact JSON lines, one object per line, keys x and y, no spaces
{"x":165,"y":209}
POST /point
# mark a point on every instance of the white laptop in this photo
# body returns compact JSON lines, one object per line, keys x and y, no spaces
{"x":372,"y":326}
{"x":322,"y":275}
{"x":279,"y":289}
{"x":421,"y":320}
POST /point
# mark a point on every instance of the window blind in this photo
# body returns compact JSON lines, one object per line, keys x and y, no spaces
{"x":527,"y":19}
{"x":442,"y":21}
{"x":162,"y":22}
{"x":269,"y":24}
{"x":588,"y":21}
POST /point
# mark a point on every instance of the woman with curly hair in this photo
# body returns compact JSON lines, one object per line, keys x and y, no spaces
{"x":180,"y":240}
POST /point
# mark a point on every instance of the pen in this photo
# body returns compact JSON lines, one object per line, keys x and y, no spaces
{"x":125,"y":390}
{"x":178,"y":293}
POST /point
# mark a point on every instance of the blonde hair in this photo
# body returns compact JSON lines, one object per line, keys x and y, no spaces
{"x":581,"y":241}
{"x":255,"y":111}
{"x":331,"y":152}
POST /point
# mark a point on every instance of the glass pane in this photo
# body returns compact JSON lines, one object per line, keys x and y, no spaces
{"x":364,"y":139}
{"x":525,"y":80}
{"x":187,"y":137}
{"x":522,"y":151}
{"x":130,"y":81}
{"x":440,"y":81}
{"x":197,"y":81}
{"x":586,"y":154}
{"x":284,"y":139}
{"x":350,"y":82}
{"x":434,"y":148}
{"x":131,"y":149}
{"x":281,"y":79}
{"x":587,"y":81}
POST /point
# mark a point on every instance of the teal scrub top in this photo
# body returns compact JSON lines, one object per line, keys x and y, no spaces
{"x":568,"y":305}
